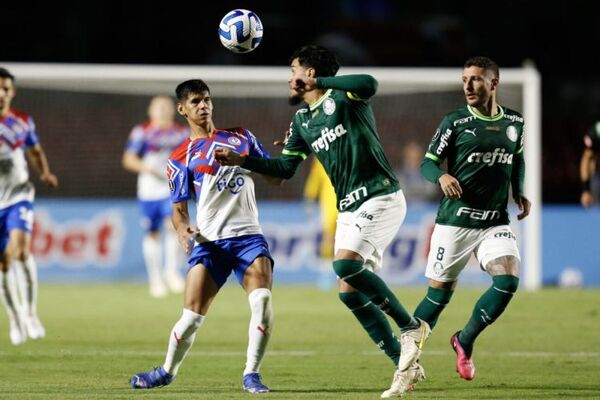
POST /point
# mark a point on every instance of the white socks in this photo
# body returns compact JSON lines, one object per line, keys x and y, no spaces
{"x":260,"y":327}
{"x":8,"y":293}
{"x":27,"y":285}
{"x":153,"y":258}
{"x":181,"y":340}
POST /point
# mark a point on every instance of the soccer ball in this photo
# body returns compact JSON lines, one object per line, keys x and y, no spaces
{"x":240,"y":31}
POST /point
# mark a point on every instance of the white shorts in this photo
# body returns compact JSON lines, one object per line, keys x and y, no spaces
{"x":370,"y":229}
{"x":452,"y":246}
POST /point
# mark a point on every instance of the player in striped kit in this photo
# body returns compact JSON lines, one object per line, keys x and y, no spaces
{"x":227,"y":238}
{"x":18,"y":138}
{"x":146,"y":154}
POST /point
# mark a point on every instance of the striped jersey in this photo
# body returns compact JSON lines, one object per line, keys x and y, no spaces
{"x":154,"y":145}
{"x":17,"y":132}
{"x":224,"y":195}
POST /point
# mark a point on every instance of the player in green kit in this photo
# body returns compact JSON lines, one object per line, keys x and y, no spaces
{"x":337,"y":125}
{"x":483,"y":145}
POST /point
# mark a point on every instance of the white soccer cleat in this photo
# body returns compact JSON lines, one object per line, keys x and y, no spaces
{"x":174,"y":281}
{"x":404,"y":381}
{"x":17,"y":333}
{"x":34,"y":327}
{"x":411,"y":343}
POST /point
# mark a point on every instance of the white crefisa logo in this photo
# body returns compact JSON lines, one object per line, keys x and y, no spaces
{"x":329,"y":106}
{"x":498,"y":156}
{"x":511,"y":133}
{"x":327,"y":137}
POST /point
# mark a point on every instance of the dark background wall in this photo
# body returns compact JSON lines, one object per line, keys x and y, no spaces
{"x":560,"y":39}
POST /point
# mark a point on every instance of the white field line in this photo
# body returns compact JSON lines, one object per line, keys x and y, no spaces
{"x":277,"y":353}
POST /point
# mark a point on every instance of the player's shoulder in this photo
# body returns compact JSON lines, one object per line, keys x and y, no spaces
{"x":301,"y":112}
{"x":180,"y":152}
{"x":513,"y":115}
{"x":457,"y":116}
{"x":20,"y":115}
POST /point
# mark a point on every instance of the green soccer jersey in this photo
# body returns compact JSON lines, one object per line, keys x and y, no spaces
{"x":340,"y":130}
{"x":481,"y":152}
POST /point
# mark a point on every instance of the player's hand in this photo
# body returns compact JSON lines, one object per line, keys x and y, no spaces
{"x":284,"y":141}
{"x":450,"y":186}
{"x":587,"y":198}
{"x":524,"y":206}
{"x":49,"y":179}
{"x":228,"y":157}
{"x":187,"y":237}
{"x":304,"y":84}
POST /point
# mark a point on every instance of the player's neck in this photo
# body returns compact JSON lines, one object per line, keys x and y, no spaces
{"x":313,"y":96}
{"x":489,"y":109}
{"x":202,"y":131}
{"x":162,"y":124}
{"x":4,"y":111}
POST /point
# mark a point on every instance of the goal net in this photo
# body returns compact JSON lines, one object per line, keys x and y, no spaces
{"x":84,"y":114}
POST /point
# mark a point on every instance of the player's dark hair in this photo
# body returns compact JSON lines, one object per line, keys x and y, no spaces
{"x":192,"y":86}
{"x":321,"y":59}
{"x":4,"y":73}
{"x":485,"y":63}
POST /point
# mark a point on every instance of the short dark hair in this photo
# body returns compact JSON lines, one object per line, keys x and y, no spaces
{"x":4,"y":73}
{"x":192,"y":86}
{"x":485,"y":63}
{"x":321,"y":59}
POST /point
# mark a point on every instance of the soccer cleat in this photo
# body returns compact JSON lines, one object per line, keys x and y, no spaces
{"x":34,"y":327}
{"x":404,"y":381}
{"x":411,"y":343}
{"x":252,"y":384}
{"x":17,"y":333}
{"x":464,"y":364}
{"x":148,"y":380}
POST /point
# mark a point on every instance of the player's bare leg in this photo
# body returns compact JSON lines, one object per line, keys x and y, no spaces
{"x":257,"y":283}
{"x":174,"y":260}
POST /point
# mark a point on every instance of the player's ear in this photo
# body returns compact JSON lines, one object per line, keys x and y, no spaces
{"x":180,"y":110}
{"x":310,"y":72}
{"x":495,"y":82}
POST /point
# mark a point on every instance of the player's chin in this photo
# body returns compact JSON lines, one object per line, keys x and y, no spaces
{"x":295,"y":99}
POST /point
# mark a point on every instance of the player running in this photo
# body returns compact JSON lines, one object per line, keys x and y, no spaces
{"x":227,"y":238}
{"x":18,"y":137}
{"x":146,"y":154}
{"x":338,"y":126}
{"x":483,"y":145}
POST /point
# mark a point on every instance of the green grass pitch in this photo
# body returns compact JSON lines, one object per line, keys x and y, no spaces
{"x":546,"y":346}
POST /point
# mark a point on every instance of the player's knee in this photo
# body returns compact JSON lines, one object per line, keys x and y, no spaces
{"x":353,"y":300}
{"x":347,"y":268}
{"x":507,"y":283}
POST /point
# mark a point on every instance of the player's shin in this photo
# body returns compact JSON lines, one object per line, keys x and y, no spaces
{"x":374,"y":322}
{"x":259,"y":330}
{"x":371,"y":285}
{"x":181,"y":340}
{"x":174,"y":260}
{"x":488,"y":308}
{"x":432,"y":305}
{"x":27,"y":284}
{"x":8,"y":294}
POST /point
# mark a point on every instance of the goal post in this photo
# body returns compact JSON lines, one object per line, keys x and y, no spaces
{"x":409,"y":105}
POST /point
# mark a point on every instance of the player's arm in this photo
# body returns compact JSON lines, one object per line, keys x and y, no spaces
{"x":517,"y":180}
{"x":586,"y":173}
{"x":37,"y":157}
{"x":358,"y":87}
{"x":434,"y":157}
{"x":132,"y":162}
{"x":180,"y":219}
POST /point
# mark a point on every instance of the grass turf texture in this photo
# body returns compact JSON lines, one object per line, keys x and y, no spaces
{"x":546,"y":346}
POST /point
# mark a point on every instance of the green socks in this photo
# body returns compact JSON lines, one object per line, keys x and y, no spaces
{"x":430,"y":308}
{"x":374,"y":288}
{"x":374,"y":322}
{"x":488,"y":308}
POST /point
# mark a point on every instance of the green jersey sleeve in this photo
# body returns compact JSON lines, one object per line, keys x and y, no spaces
{"x":357,"y":87}
{"x":295,"y":145}
{"x":440,"y":144}
{"x":518,"y":172}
